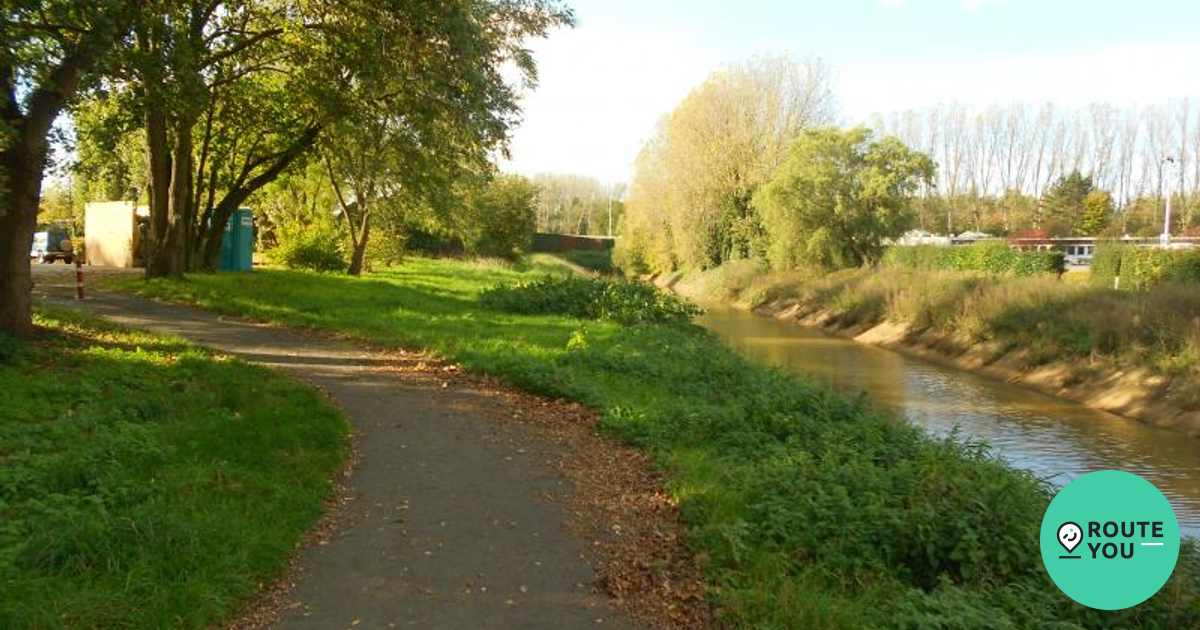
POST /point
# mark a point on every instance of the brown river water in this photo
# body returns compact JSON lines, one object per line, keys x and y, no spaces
{"x":1056,"y":439}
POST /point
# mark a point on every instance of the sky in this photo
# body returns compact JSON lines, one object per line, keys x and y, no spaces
{"x":606,"y":82}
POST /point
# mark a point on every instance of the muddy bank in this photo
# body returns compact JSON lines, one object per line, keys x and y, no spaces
{"x":1134,"y":392}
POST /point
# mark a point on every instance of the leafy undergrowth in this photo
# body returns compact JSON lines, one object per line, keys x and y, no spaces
{"x":808,"y":509}
{"x":590,"y":298}
{"x":148,"y":483}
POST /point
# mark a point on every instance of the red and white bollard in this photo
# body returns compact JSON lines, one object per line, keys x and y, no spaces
{"x":78,"y":278}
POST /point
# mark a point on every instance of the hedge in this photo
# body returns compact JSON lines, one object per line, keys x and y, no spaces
{"x":995,"y":257}
{"x":1143,"y":267}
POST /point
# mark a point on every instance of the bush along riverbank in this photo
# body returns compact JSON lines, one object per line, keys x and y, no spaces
{"x":1133,"y":353}
{"x":149,"y":483}
{"x":806,"y":509}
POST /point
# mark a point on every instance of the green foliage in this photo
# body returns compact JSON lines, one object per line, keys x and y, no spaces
{"x":690,"y":200}
{"x":994,"y":257}
{"x":1142,"y":268}
{"x":1097,"y":212}
{"x":147,"y":483}
{"x":1064,"y":204}
{"x":11,"y":349}
{"x":1052,"y":318}
{"x":810,"y":508}
{"x":316,"y":246}
{"x":588,"y":298}
{"x":838,"y":196}
{"x":500,"y":219}
{"x":1106,"y":264}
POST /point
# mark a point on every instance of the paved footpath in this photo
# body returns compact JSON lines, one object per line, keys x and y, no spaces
{"x":449,"y":527}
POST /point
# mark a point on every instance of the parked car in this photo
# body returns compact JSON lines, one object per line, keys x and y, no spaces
{"x":52,"y":245}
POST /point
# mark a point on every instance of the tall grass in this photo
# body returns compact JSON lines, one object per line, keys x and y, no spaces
{"x":1050,"y":317}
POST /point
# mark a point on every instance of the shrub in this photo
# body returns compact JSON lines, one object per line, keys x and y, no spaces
{"x":316,"y":246}
{"x":386,"y":248}
{"x":1141,"y":268}
{"x":994,"y":257}
{"x":549,"y":295}
{"x":501,"y":219}
{"x":587,"y":298}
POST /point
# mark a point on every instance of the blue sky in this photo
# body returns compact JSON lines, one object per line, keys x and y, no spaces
{"x":628,"y":62}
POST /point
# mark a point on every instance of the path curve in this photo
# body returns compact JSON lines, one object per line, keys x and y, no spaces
{"x":456,"y":520}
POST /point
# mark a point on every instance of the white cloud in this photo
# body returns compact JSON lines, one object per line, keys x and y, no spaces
{"x":1129,"y":74}
{"x":600,"y":96}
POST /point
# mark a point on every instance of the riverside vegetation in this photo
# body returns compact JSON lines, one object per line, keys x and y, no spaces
{"x":989,"y":294}
{"x":146,"y":482}
{"x":805,"y":507}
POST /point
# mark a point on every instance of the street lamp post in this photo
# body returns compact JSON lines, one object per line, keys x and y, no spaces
{"x":1165,"y":239}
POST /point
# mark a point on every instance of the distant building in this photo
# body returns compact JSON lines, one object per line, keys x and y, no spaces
{"x":111,"y":234}
{"x":921,"y":237}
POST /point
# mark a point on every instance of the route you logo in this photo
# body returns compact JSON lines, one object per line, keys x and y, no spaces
{"x":1110,"y":540}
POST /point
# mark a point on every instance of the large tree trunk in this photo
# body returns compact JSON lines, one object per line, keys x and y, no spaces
{"x":359,"y":254}
{"x":158,"y":157}
{"x":17,"y":223}
{"x":22,"y":163}
{"x":170,"y":196}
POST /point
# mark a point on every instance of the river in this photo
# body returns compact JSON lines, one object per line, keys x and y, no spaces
{"x":1056,"y":439}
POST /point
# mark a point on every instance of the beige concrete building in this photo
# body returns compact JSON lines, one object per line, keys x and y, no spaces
{"x":111,"y":233}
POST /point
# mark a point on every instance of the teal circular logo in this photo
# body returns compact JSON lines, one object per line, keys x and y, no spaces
{"x":1110,"y":540}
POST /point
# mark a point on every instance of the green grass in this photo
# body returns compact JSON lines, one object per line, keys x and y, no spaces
{"x":807,"y":509}
{"x":148,"y":483}
{"x":597,"y":260}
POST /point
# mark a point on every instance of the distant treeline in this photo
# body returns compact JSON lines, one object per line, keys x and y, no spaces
{"x":995,"y":163}
{"x":746,"y":166}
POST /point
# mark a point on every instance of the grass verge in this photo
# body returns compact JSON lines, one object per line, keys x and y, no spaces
{"x":807,"y":509}
{"x":146,"y":482}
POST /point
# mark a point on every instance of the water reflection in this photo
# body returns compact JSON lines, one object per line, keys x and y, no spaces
{"x":1056,"y":439}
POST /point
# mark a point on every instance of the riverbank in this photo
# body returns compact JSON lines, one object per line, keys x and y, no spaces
{"x":803,"y":507}
{"x":1133,"y":355}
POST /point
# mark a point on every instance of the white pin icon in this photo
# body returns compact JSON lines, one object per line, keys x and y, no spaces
{"x":1069,"y":536}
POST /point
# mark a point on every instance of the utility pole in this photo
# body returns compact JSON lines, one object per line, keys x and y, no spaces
{"x":610,"y":214}
{"x":1165,"y":239}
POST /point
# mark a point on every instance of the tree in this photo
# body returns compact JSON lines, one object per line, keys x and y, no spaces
{"x":48,"y":49}
{"x":1097,"y":212}
{"x":500,"y":217}
{"x":838,"y":196}
{"x":576,"y":204}
{"x":1060,"y":210}
{"x":231,"y":94}
{"x":714,"y":151}
{"x":412,"y":119}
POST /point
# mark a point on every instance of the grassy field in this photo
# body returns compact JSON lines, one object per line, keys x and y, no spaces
{"x":148,"y":483}
{"x":807,"y":509}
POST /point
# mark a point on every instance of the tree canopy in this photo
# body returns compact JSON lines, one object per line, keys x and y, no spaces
{"x":837,"y":197}
{"x":689,"y":202}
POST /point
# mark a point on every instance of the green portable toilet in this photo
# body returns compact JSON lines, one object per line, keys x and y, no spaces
{"x":237,"y":244}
